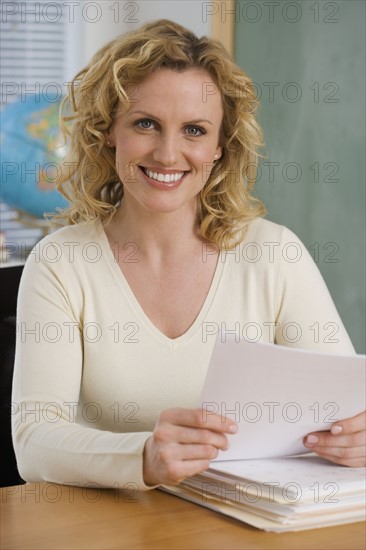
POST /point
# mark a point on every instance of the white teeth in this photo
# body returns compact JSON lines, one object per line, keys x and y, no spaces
{"x":166,"y":178}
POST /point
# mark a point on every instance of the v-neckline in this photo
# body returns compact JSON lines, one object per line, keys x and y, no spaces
{"x":135,"y":304}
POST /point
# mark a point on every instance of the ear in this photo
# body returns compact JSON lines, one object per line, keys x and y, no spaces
{"x":109,"y":140}
{"x":218,"y":152}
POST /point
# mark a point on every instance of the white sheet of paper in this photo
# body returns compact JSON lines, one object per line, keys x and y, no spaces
{"x":279,"y":394}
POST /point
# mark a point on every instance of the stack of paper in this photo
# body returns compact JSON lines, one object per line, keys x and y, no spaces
{"x":280,"y":494}
{"x":278,"y":395}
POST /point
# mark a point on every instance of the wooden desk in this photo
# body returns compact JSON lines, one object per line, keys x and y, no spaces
{"x":36,"y":516}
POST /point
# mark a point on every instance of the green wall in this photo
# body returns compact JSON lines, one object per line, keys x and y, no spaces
{"x":307,"y":60}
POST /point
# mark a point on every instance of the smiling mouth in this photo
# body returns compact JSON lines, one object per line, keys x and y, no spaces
{"x":173,"y":177}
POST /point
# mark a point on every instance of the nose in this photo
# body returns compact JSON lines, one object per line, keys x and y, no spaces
{"x":166,"y":150}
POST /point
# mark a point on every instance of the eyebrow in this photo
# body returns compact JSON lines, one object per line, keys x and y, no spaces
{"x":198,"y":121}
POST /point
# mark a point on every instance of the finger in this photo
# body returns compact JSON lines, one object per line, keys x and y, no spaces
{"x":342,"y":452}
{"x":177,"y":452}
{"x":198,"y":418}
{"x":180,"y":470}
{"x":168,"y":433}
{"x":354,"y":462}
{"x":350,"y":425}
{"x":203,"y":437}
{"x":326,"y":439}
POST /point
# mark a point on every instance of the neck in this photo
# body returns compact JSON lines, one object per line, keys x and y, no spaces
{"x":157,"y":234}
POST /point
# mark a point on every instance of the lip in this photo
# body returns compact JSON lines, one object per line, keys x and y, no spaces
{"x":161,"y":184}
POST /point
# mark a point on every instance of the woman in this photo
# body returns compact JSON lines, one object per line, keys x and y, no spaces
{"x":164,"y":245}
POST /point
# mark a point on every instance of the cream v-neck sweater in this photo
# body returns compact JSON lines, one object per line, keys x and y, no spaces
{"x":92,"y":372}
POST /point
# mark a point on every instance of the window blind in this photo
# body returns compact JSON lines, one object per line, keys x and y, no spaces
{"x":33,"y":60}
{"x":33,"y":47}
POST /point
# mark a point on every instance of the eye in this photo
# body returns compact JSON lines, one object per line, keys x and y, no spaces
{"x":195,"y":131}
{"x":144,"y":124}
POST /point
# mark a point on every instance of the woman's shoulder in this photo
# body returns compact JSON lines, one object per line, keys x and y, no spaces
{"x":267,"y":240}
{"x":263,"y":230}
{"x":67,"y":245}
{"x":84,"y":232}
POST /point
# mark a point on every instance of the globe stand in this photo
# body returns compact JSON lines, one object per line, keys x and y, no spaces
{"x":12,"y":251}
{"x":28,"y":220}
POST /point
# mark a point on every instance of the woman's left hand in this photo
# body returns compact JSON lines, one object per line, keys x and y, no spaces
{"x":344,"y":444}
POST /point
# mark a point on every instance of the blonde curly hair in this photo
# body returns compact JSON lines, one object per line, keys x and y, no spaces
{"x":225,"y":204}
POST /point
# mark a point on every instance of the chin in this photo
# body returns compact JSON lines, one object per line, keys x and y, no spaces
{"x":167,"y":206}
{"x":162,"y":209}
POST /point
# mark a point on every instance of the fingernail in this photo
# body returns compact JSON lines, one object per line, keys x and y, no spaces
{"x":312,"y":439}
{"x":336,"y":430}
{"x":233,"y":429}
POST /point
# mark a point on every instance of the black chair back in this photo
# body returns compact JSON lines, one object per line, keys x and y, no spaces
{"x":9,"y":280}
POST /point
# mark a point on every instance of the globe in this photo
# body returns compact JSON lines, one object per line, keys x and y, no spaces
{"x":32,"y":146}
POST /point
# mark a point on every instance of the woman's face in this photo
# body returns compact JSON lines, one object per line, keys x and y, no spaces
{"x":167,"y":142}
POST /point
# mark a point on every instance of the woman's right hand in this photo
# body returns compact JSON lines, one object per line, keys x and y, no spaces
{"x":183,"y":443}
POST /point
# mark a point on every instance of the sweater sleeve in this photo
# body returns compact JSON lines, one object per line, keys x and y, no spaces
{"x":50,"y":444}
{"x":306,"y":314}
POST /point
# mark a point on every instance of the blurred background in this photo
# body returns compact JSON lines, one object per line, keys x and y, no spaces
{"x":307,"y":61}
